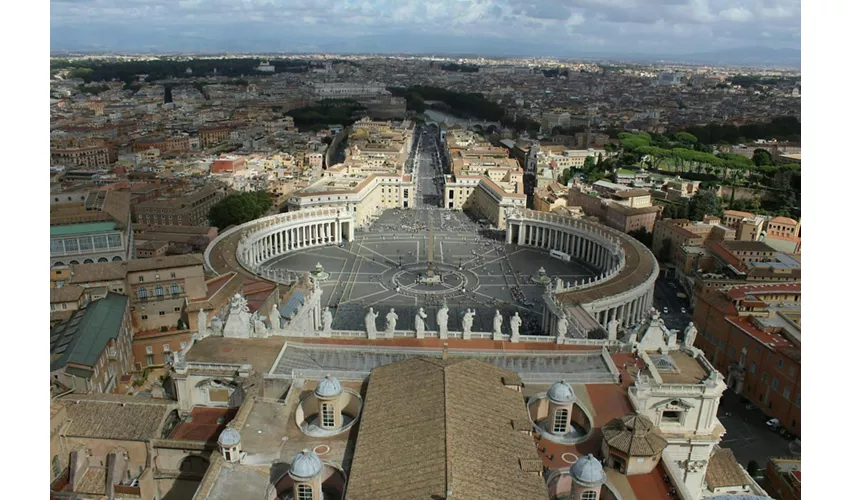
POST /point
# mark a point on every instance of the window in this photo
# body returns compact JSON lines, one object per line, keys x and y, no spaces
{"x":775,"y":383}
{"x":588,"y":495}
{"x":722,"y":344}
{"x":305,"y":492}
{"x":182,"y":345}
{"x":144,"y":316}
{"x":165,"y":348}
{"x":670,"y":417}
{"x":141,"y":279}
{"x":176,"y":309}
{"x":792,"y":371}
{"x":57,"y":469}
{"x":173,"y":275}
{"x":786,"y":393}
{"x":158,"y":291}
{"x":175,"y":289}
{"x":779,"y":363}
{"x":149,"y":359}
{"x":162,"y":313}
{"x":561,"y":422}
{"x":149,"y":350}
{"x":327,"y":415}
{"x":753,"y":367}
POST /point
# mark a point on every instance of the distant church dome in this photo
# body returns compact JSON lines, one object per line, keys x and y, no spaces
{"x":588,"y":471}
{"x":329,"y":387}
{"x":561,"y":393}
{"x":306,"y":465}
{"x":229,"y":437}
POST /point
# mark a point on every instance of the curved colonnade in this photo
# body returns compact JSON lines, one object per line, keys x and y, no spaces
{"x":623,"y":289}
{"x":264,"y":239}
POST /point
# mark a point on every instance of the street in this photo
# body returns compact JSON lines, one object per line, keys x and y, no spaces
{"x":747,"y":435}
{"x":427,"y":167}
{"x":665,"y":296}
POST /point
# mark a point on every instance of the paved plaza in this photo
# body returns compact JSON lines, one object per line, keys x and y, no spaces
{"x":380,"y":269}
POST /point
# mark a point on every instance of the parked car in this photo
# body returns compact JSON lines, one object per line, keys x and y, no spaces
{"x":684,"y":311}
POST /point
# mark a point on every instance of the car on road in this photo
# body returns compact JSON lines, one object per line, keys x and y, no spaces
{"x":665,"y":310}
{"x":684,"y":311}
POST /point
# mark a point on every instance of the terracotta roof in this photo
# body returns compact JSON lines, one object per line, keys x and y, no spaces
{"x":738,"y":213}
{"x":65,"y":294}
{"x":724,"y":471}
{"x":104,"y":271}
{"x":136,"y":421}
{"x":633,"y":435}
{"x":739,"y":292}
{"x":783,"y":220}
{"x":430,"y":426}
{"x":166,"y":262}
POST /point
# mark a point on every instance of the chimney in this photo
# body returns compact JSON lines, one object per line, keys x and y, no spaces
{"x":445,"y":351}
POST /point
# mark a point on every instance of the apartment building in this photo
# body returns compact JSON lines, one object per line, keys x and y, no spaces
{"x":209,"y":137}
{"x":160,"y":288}
{"x":179,"y":207}
{"x":162,"y":144}
{"x":623,"y":209}
{"x":88,"y":157}
{"x":93,"y":349}
{"x":228,"y":164}
{"x":752,"y":334}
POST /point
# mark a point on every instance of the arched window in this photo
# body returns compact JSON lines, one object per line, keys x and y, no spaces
{"x":88,"y":261}
{"x":588,"y":495}
{"x":305,"y":492}
{"x":158,"y":291}
{"x":175,"y":289}
{"x":562,"y":421}
{"x":143,"y":293}
{"x":327,"y":415}
{"x":59,"y":264}
{"x":74,"y":262}
{"x":116,"y":259}
{"x":103,"y":259}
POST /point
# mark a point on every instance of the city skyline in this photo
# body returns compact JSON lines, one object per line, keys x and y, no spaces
{"x":700,"y":31}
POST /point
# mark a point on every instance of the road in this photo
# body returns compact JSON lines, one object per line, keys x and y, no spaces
{"x":747,"y":435}
{"x":665,"y":296}
{"x":428,"y":170}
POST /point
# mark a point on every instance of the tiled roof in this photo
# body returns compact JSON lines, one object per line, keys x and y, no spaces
{"x":723,"y":471}
{"x":430,"y":426}
{"x":105,"y":271}
{"x":136,"y":421}
{"x":165,"y":262}
{"x":633,"y":435}
{"x":65,"y":294}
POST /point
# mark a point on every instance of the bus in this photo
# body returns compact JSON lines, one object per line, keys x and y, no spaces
{"x":559,"y":255}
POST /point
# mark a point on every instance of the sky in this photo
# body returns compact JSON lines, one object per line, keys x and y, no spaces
{"x":512,"y":27}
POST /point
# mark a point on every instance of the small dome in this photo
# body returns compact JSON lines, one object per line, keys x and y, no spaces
{"x":306,"y":465}
{"x":229,"y":437}
{"x":561,"y":392}
{"x":329,"y":387}
{"x":588,"y":471}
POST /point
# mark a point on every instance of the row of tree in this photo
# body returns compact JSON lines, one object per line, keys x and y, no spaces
{"x":464,"y":104}
{"x":239,"y":208}
{"x":328,"y":112}
{"x":161,"y":69}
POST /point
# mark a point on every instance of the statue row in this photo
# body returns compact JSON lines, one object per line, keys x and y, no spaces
{"x":442,"y":323}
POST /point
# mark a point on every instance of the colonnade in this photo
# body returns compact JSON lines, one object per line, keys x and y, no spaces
{"x":597,"y":247}
{"x":275,"y":241}
{"x":575,"y":244}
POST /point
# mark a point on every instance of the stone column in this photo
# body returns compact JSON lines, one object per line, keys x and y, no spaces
{"x":605,"y":318}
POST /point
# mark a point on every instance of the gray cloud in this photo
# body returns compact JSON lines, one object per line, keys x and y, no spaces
{"x":661,"y":26}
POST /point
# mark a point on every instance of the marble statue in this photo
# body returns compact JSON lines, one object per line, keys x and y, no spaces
{"x":274,"y":317}
{"x":443,"y":321}
{"x":419,"y":323}
{"x":238,"y":324}
{"x":392,"y":320}
{"x":562,"y":327}
{"x":202,"y":323}
{"x":371,"y":329}
{"x":468,"y":318}
{"x":327,"y":319}
{"x":258,"y":326}
{"x":516,"y":322}
{"x":690,"y":334}
{"x":497,"y":326}
{"x":612,"y":329}
{"x":559,"y":285}
{"x":216,"y":326}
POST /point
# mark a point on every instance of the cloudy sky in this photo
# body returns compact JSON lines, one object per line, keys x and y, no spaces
{"x":516,"y":27}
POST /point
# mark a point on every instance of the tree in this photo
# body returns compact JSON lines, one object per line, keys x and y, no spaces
{"x":666,"y":252}
{"x":239,"y":208}
{"x":180,"y":325}
{"x":762,"y":157}
{"x":589,"y":163}
{"x":753,"y":468}
{"x":642,"y":235}
{"x":704,"y":202}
